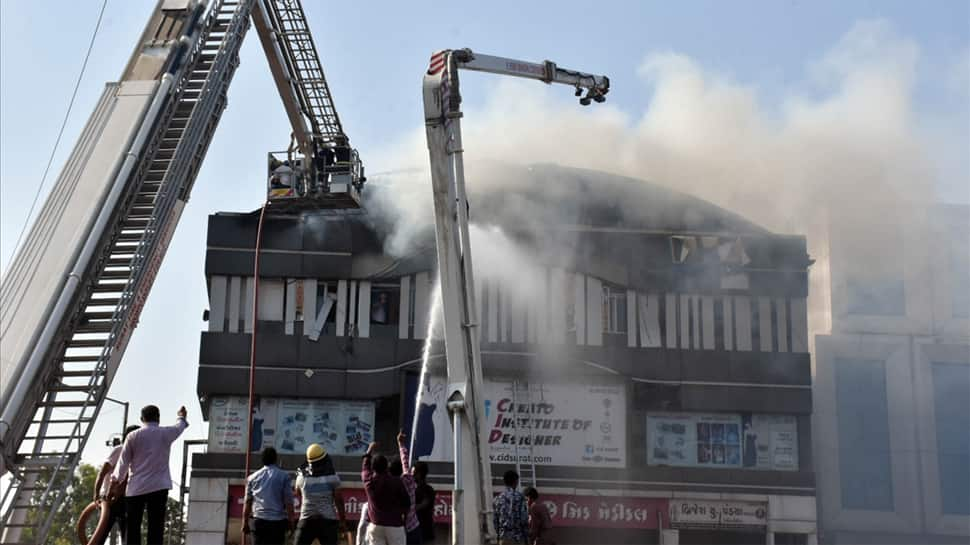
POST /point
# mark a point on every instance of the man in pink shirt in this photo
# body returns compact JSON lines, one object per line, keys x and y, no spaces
{"x":144,"y":459}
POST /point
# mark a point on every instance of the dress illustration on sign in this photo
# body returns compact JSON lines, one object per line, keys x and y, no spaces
{"x":571,"y":425}
{"x":755,"y":441}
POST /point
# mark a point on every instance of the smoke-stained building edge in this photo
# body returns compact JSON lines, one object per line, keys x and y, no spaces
{"x":662,"y":341}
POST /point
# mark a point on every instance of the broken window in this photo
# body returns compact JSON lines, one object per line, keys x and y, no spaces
{"x":614,"y":309}
{"x":683,"y":248}
{"x":326,"y":291}
{"x":569,"y":296}
{"x":385,"y":300}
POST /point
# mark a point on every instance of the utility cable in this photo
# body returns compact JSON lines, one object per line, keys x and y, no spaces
{"x":60,"y":132}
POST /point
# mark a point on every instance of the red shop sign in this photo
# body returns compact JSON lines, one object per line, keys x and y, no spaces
{"x":565,"y":510}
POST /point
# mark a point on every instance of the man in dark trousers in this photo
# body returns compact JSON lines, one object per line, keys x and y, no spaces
{"x":387,"y":500}
{"x":424,"y":499}
{"x":102,"y":489}
{"x":269,"y":502}
{"x":144,"y":461}
{"x":540,"y":521}
{"x":322,"y":515}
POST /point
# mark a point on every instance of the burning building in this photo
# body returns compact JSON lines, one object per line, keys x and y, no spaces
{"x":892,"y":393}
{"x":656,"y":344}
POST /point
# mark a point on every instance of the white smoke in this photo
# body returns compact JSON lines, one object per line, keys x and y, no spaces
{"x":847,"y":141}
{"x":849,"y":137}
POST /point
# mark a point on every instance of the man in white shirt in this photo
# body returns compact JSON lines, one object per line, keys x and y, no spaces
{"x":144,"y":461}
{"x":102,"y":489}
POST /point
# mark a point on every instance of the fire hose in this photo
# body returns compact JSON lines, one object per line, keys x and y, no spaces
{"x":116,"y":494}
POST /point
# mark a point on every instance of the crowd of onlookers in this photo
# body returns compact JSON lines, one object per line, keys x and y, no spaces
{"x":135,"y":481}
{"x":519,"y":517}
{"x":399,"y":509}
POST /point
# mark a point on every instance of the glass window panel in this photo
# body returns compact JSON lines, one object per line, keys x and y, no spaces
{"x":865,"y":461}
{"x":951,"y":399}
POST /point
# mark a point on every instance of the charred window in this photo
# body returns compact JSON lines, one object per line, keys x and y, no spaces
{"x":327,"y":300}
{"x":569,"y":297}
{"x":614,"y":309}
{"x":385,"y":302}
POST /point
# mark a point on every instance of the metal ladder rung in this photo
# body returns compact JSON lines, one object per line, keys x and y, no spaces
{"x":108,"y":288}
{"x":53,"y":438}
{"x":64,"y":404}
{"x":114,"y":274}
{"x":95,"y":327}
{"x":75,"y":388}
{"x":105,"y":302}
{"x":86,"y":343}
{"x":79,"y":359}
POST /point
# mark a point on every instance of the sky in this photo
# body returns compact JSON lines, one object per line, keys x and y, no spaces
{"x":679,"y":72}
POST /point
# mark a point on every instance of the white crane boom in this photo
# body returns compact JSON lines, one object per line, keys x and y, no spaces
{"x":471,"y":522}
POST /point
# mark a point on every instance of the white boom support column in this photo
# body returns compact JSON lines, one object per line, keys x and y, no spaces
{"x":472,"y":521}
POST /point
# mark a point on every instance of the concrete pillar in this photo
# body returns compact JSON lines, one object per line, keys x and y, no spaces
{"x":669,"y":537}
{"x":812,"y":539}
{"x":770,"y":538}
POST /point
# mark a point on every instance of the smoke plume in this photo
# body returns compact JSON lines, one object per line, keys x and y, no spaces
{"x":846,"y":142}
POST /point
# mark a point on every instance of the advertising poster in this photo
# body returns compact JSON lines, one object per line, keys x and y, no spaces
{"x":571,"y":425}
{"x":228,"y":425}
{"x":752,"y":441}
{"x":341,"y":427}
{"x":695,"y":440}
{"x":770,"y":442}
{"x":291,"y":425}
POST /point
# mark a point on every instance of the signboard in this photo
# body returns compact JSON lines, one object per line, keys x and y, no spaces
{"x":290,"y":425}
{"x":605,"y":511}
{"x":687,"y":513}
{"x":571,"y":425}
{"x":752,"y":441}
{"x":564,"y":510}
{"x":770,"y":442}
{"x":228,"y":425}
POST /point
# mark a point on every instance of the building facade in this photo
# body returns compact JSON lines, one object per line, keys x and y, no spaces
{"x":892,"y":395}
{"x":658,"y":344}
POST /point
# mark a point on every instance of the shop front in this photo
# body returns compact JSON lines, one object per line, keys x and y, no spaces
{"x":577,"y":519}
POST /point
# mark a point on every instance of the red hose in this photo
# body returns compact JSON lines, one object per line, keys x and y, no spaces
{"x":252,"y":346}
{"x":103,"y":520}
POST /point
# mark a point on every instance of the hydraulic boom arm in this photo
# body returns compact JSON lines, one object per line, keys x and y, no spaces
{"x":327,"y":165}
{"x":471,"y":522}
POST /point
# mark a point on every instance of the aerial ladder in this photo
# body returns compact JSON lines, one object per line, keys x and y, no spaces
{"x":72,"y":295}
{"x":472,"y":494}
